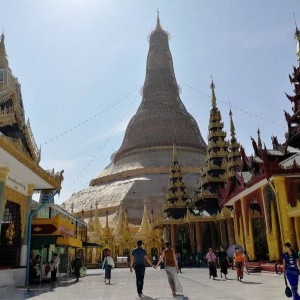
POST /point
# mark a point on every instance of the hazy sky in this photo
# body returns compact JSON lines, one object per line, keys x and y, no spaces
{"x":76,"y":58}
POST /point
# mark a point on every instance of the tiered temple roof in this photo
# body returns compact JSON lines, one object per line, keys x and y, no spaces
{"x":293,"y":120}
{"x":177,"y":198}
{"x":282,"y":160}
{"x":215,"y":172}
{"x":234,"y":155}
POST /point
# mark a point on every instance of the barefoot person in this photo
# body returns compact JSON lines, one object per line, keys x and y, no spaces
{"x":212,"y":263}
{"x":223,"y":262}
{"x":238,"y":263}
{"x":169,"y":258}
{"x":138,"y":258}
{"x":108,"y":265}
{"x":291,"y":268}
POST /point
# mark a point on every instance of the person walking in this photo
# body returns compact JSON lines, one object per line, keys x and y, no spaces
{"x":246,"y":262}
{"x":54,"y":263}
{"x":138,"y":257}
{"x":291,"y":268}
{"x":107,"y":265}
{"x":179,"y":262}
{"x":171,"y":267}
{"x":76,"y":266}
{"x":212,"y":263}
{"x":238,"y":263}
{"x":223,"y":262}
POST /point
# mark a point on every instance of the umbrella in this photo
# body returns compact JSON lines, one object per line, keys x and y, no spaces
{"x":231,"y":249}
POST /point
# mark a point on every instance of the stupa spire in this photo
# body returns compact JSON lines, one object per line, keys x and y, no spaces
{"x":297,"y":37}
{"x":3,"y":56}
{"x":259,"y":142}
{"x":234,"y":156}
{"x":145,"y":226}
{"x":161,"y":113}
{"x":232,"y":127}
{"x":120,"y":222}
{"x":213,"y":95}
{"x":215,"y":172}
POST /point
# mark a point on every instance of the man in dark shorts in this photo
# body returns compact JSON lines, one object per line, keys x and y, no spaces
{"x":138,"y":258}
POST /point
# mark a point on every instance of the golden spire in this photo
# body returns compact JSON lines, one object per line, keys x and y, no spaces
{"x":145,"y":227}
{"x":297,"y":37}
{"x":259,"y":143}
{"x":120,"y":222}
{"x":106,"y":230}
{"x":213,"y":95}
{"x":91,"y":220}
{"x":126,"y":223}
{"x":232,"y":128}
{"x":97,"y":225}
{"x":3,"y":56}
{"x":175,"y":157}
{"x":158,"y":20}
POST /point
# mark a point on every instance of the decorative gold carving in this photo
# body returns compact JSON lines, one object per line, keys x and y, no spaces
{"x":16,"y":197}
{"x":30,"y":189}
{"x":52,"y":179}
{"x":3,"y":174}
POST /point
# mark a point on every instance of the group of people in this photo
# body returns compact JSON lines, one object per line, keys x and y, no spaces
{"x":138,"y":262}
{"x":35,"y":267}
{"x":240,"y":262}
{"x":168,"y":257}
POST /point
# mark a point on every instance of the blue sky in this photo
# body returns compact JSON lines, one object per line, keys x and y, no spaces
{"x":76,"y":59}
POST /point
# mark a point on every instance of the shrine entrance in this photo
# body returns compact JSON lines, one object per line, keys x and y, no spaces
{"x":10,"y":240}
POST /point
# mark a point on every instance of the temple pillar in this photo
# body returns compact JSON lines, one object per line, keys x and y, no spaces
{"x":273,"y":235}
{"x":199,"y":239}
{"x":213,"y":235}
{"x":3,"y":176}
{"x":286,"y":225}
{"x":297,"y":229}
{"x":224,"y":241}
{"x":230,"y":231}
{"x":173,"y":241}
{"x":249,"y":239}
{"x":23,"y":258}
{"x":192,"y":238}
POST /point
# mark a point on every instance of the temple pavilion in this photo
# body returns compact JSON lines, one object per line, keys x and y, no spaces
{"x":20,"y":174}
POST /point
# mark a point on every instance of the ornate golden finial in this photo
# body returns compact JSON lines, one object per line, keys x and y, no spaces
{"x":175,"y":157}
{"x":213,"y":96}
{"x":145,"y":227}
{"x":158,"y":20}
{"x":3,"y":56}
{"x":120,"y":222}
{"x":259,"y":143}
{"x":232,"y":128}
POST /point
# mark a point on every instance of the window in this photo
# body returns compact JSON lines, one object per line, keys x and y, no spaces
{"x":1,"y":76}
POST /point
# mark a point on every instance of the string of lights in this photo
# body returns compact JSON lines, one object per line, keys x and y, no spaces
{"x":84,"y":122}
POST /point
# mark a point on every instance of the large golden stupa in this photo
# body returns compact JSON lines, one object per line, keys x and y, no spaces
{"x":139,"y":170}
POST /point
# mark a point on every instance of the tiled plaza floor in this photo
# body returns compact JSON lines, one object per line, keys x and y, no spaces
{"x":195,"y":282}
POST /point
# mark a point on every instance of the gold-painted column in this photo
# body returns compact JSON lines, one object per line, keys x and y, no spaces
{"x":230,"y":231}
{"x":297,"y":229}
{"x":198,"y":237}
{"x":173,"y":242}
{"x":249,"y":240}
{"x":287,"y":230}
{"x":25,"y":230}
{"x":3,"y":176}
{"x":192,"y":237}
{"x":274,"y":234}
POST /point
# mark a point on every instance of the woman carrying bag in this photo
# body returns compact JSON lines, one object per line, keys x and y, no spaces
{"x":291,"y":271}
{"x":108,"y":265}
